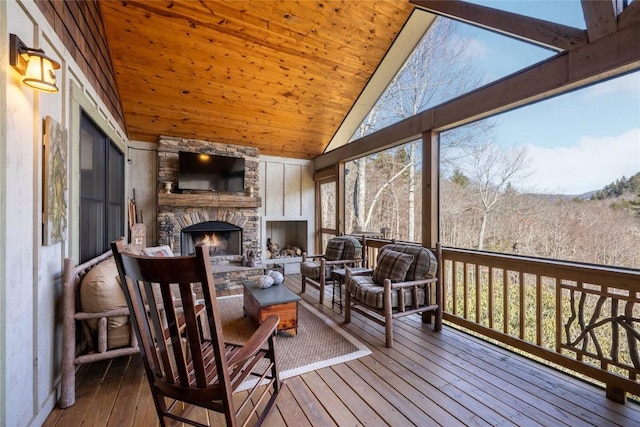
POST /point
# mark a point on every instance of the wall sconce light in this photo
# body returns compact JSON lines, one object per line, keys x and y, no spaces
{"x":33,"y":64}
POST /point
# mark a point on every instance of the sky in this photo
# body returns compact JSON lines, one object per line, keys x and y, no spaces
{"x":578,"y":142}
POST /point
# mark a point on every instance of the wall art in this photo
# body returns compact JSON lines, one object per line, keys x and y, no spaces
{"x":54,"y":201}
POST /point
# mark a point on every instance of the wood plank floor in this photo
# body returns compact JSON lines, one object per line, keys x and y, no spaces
{"x":427,"y":379}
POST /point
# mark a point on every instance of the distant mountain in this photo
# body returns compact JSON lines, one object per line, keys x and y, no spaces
{"x":587,"y":196}
{"x":624,"y":194}
{"x":627,"y":188}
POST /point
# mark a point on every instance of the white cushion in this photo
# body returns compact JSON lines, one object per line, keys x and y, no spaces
{"x":163,"y":251}
{"x":100,"y":291}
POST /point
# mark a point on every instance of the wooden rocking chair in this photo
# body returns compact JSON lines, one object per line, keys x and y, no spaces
{"x":181,"y":362}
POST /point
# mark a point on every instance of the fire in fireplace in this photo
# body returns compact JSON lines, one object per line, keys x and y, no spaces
{"x":222,"y":238}
{"x":217,"y":243}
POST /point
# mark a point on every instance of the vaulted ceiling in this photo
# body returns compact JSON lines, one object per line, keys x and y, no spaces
{"x":280,"y":76}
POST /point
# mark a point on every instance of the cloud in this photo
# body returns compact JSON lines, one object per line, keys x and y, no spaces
{"x":629,"y":84}
{"x":587,"y":166}
{"x":476,"y":49}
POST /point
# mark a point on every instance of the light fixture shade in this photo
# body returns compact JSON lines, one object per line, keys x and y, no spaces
{"x":33,"y":64}
{"x":39,"y":74}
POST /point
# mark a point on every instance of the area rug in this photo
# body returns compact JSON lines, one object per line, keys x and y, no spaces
{"x":318,"y":343}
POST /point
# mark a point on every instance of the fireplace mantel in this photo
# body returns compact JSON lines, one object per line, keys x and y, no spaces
{"x":216,"y":200}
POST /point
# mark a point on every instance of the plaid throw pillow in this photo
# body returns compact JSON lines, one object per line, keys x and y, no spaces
{"x":424,"y":264}
{"x":392,"y":265}
{"x":334,"y":249}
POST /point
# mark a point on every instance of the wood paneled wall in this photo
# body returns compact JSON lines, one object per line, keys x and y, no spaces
{"x":80,"y":26}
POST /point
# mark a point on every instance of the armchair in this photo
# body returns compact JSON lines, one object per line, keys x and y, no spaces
{"x":341,"y":252}
{"x":407,"y":279}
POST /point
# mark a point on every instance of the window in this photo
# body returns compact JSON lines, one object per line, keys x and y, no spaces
{"x":566,"y":12}
{"x":558,"y":179}
{"x":451,"y":59}
{"x":328,"y":211}
{"x":383,"y":193}
{"x":101,"y":190}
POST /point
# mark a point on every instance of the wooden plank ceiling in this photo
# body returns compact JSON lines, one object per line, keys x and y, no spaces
{"x":277,"y":75}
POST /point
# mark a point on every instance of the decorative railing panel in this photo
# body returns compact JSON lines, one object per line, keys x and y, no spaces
{"x":581,"y":317}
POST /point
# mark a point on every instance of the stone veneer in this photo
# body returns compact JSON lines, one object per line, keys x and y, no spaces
{"x":176,"y":217}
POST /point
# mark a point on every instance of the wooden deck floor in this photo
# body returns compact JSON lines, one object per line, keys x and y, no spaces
{"x":427,"y":379}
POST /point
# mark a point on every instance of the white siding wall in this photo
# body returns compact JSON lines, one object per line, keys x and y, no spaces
{"x":143,"y":175}
{"x":30,"y":273}
{"x":287,"y":191}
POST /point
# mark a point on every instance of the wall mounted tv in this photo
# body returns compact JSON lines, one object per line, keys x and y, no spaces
{"x":198,"y":171}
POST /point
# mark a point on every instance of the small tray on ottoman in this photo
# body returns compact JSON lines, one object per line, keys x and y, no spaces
{"x":260,"y":303}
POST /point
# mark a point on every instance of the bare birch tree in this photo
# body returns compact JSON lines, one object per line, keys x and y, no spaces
{"x":379,"y":193}
{"x":439,"y":69}
{"x":493,"y":171}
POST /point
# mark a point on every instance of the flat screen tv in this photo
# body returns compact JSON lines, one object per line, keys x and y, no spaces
{"x":197,"y":171}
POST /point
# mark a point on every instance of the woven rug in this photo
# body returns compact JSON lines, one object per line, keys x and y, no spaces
{"x":318,"y":343}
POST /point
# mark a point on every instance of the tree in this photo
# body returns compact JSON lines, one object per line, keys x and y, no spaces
{"x":438,"y":69}
{"x":359,"y":193}
{"x":492,"y":172}
{"x":380,"y":191}
{"x":459,"y":178}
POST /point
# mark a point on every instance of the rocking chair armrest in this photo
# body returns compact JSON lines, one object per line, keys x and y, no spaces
{"x":266,"y":330}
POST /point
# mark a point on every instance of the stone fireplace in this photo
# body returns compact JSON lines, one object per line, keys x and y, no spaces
{"x":283,"y":214}
{"x":185,"y":218}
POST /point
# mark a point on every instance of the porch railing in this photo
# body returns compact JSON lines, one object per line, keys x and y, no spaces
{"x":581,"y":317}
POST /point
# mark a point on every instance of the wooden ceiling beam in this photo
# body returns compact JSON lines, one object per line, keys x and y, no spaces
{"x":537,"y":31}
{"x":600,"y":17}
{"x":629,"y":16}
{"x":304,"y":137}
{"x":607,"y":57}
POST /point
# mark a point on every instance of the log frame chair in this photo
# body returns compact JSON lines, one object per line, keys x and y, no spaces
{"x":406,"y":293}
{"x":73,"y":316}
{"x":192,"y":363}
{"x":316,"y":269}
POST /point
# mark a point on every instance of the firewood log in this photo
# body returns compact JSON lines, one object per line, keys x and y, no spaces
{"x":273,"y":247}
